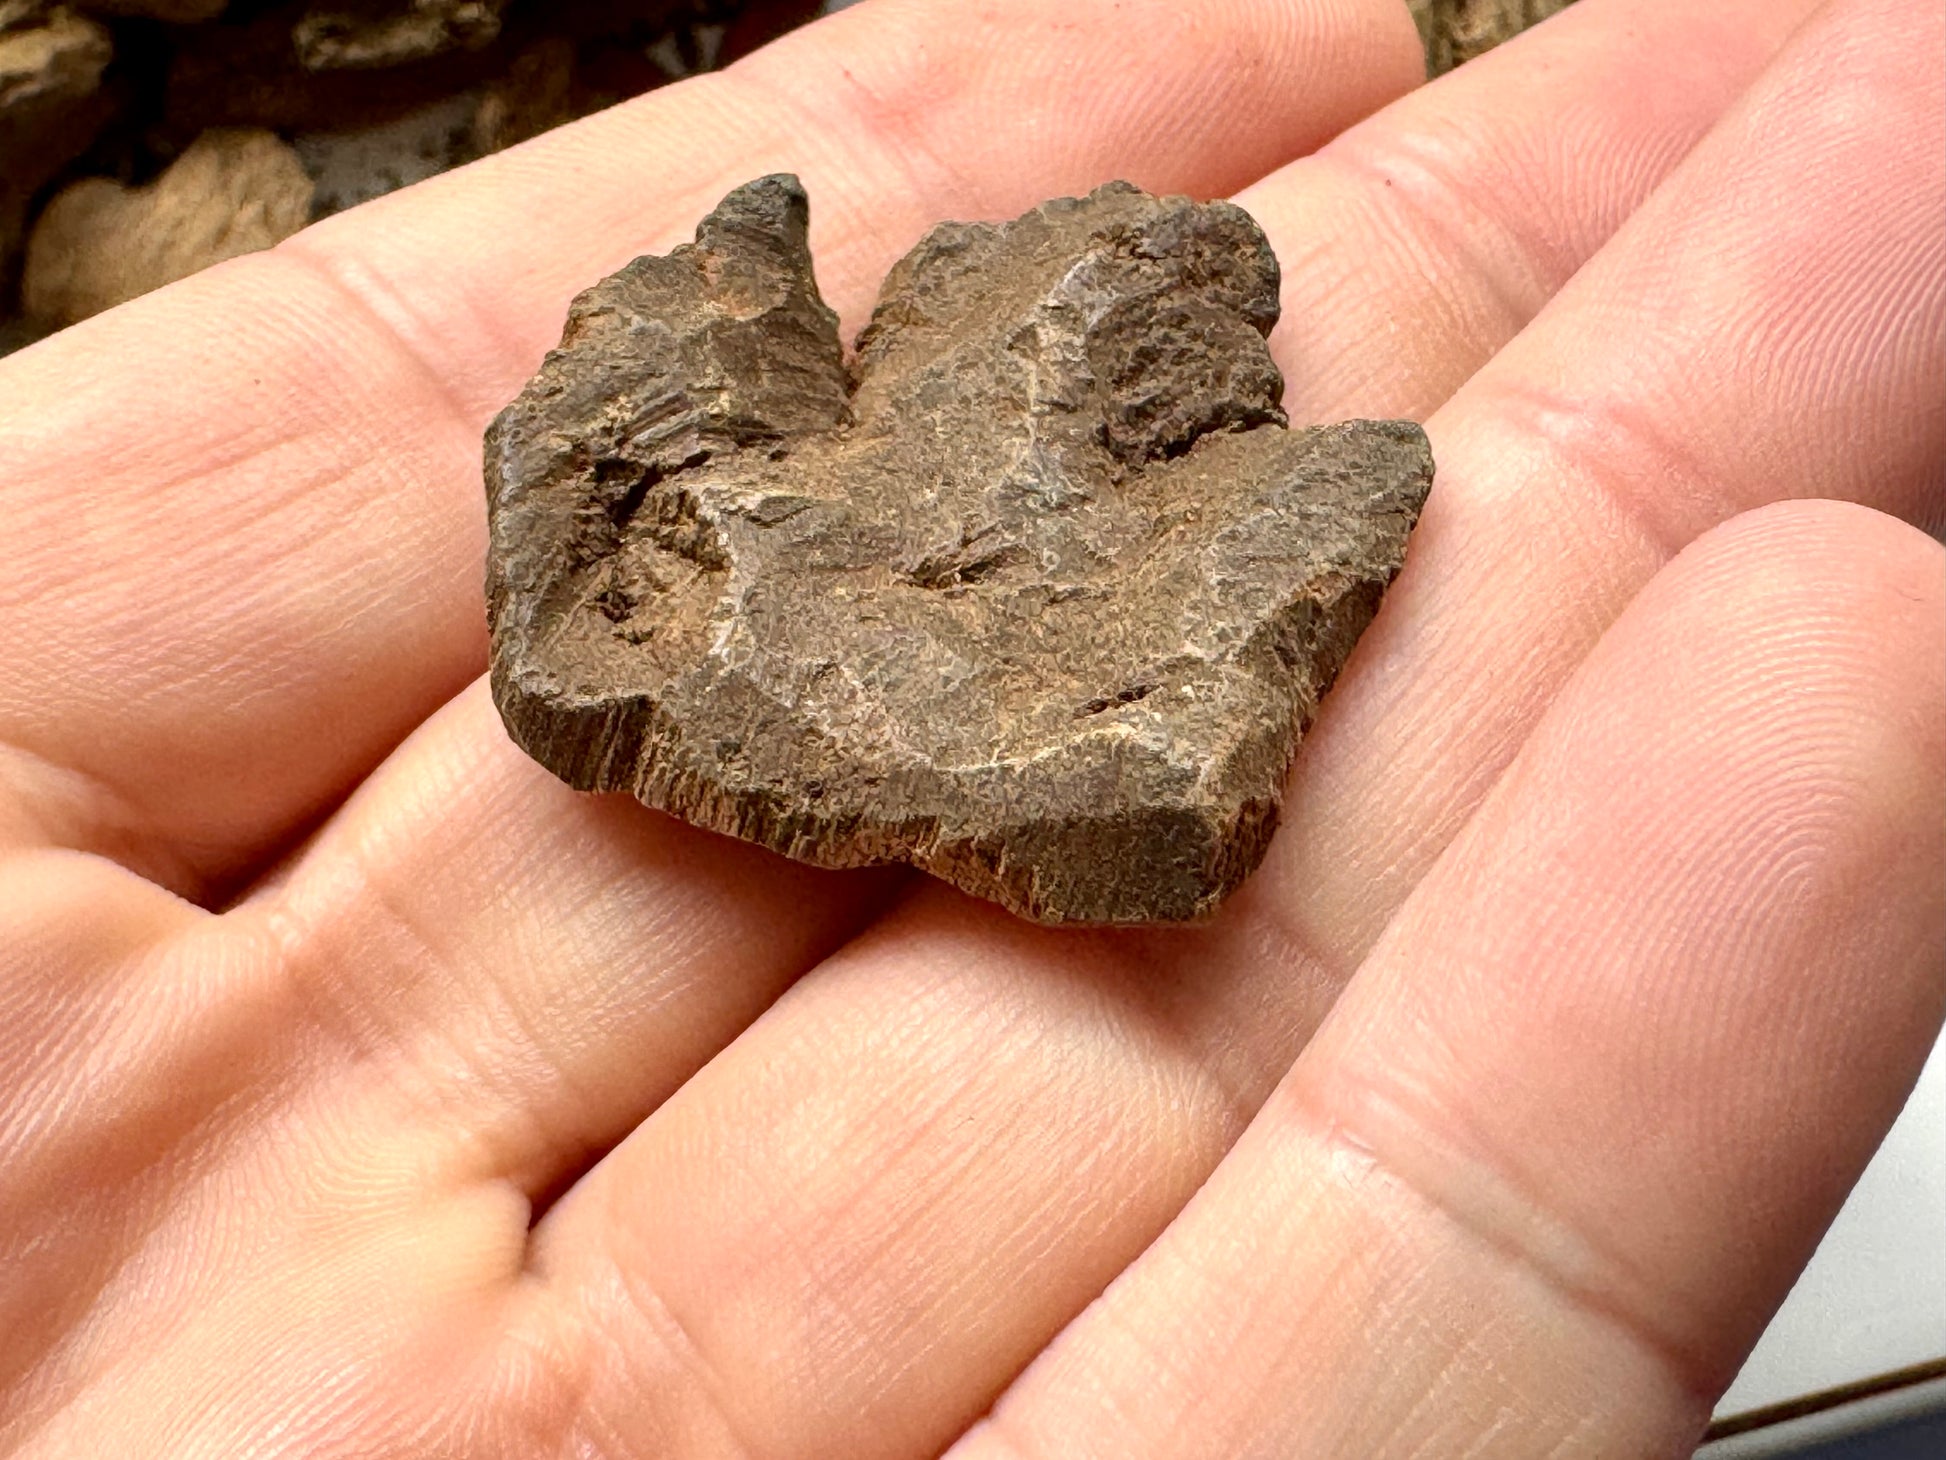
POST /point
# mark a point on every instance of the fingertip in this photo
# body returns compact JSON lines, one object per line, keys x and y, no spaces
{"x":1864,"y":588}
{"x":1649,"y":1016}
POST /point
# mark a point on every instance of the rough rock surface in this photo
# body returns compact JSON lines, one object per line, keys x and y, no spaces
{"x":1038,"y":596}
{"x":99,"y":243}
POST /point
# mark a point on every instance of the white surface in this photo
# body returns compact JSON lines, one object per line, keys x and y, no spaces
{"x":1873,"y":1300}
{"x":1905,"y":1424}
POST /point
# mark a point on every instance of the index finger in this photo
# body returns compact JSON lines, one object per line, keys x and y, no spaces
{"x":246,"y":510}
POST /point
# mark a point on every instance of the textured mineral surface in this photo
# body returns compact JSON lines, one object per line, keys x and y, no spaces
{"x":1037,"y":593}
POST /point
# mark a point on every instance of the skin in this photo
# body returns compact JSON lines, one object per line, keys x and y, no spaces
{"x":364,"y":1091}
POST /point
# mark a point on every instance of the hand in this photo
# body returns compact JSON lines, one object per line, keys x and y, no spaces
{"x":364,"y":1091}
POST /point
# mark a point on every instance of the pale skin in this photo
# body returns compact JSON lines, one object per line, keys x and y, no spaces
{"x":364,"y":1091}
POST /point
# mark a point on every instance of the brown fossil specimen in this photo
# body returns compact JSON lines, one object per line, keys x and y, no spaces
{"x":1038,"y":594}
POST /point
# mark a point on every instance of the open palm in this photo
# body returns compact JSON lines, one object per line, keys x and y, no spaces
{"x":364,"y":1091}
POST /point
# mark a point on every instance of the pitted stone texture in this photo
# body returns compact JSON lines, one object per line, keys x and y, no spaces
{"x":1038,"y":597}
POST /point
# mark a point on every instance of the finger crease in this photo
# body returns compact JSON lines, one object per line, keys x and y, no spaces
{"x":1633,"y":468}
{"x":1479,"y":1199}
{"x":74,"y":809}
{"x":380,"y":303}
{"x":681,"y":1344}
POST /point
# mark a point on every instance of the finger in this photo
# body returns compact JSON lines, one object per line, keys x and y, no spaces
{"x":245,"y":512}
{"x":518,"y":973}
{"x":292,"y":1161}
{"x":1771,"y":323}
{"x":883,"y":1249}
{"x":1413,"y":250}
{"x":74,"y":932}
{"x":1559,"y":1152}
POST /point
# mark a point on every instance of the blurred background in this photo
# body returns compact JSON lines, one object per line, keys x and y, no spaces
{"x":141,"y":140}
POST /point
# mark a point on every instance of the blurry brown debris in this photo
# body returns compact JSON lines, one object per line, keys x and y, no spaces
{"x":332,"y":40}
{"x":143,"y":139}
{"x":1456,"y":31}
{"x":99,"y":243}
{"x":51,"y":106}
